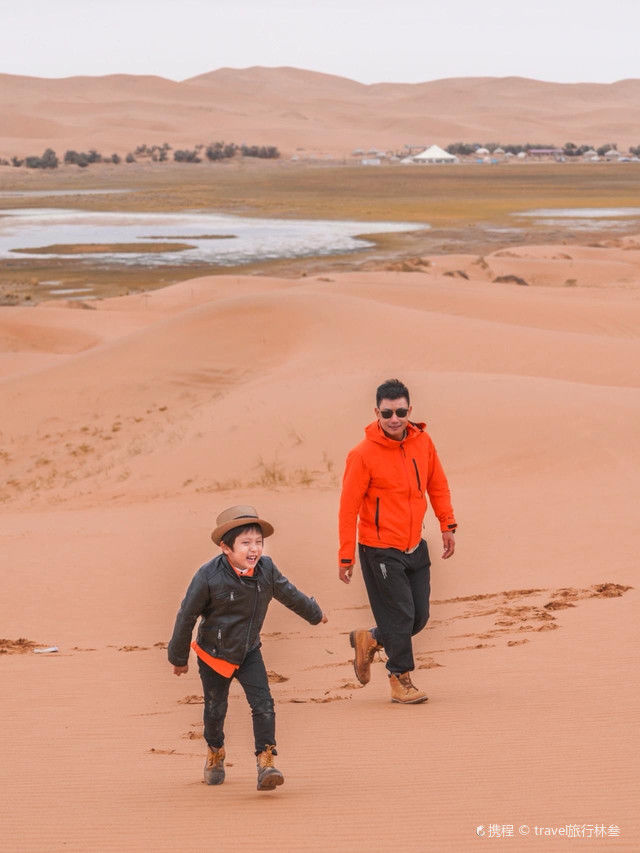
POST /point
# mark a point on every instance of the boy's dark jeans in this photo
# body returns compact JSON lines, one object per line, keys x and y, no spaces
{"x":252,"y":675}
{"x":398,"y":586}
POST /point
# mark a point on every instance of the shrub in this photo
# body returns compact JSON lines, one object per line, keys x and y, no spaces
{"x":220,"y":151}
{"x":15,"y":161}
{"x":116,"y":158}
{"x":82,"y":158}
{"x":463,"y":149}
{"x":185,"y":156}
{"x":265,"y":151}
{"x":130,"y":158}
{"x":47,"y":161}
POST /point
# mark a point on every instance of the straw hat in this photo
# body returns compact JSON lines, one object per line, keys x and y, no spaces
{"x":238,"y":516}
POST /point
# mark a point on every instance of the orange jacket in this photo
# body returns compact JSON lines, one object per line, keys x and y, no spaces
{"x":384,"y":485}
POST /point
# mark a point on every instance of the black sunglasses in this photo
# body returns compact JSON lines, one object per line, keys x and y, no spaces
{"x":388,"y":413}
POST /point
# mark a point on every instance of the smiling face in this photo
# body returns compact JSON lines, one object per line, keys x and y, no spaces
{"x":246,"y":551}
{"x":395,"y":425}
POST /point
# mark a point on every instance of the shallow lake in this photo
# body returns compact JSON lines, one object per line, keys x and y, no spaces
{"x":581,"y":218}
{"x":216,"y":238}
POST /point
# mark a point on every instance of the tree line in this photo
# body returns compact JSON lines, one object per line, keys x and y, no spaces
{"x":156,"y":153}
{"x":569,"y":149}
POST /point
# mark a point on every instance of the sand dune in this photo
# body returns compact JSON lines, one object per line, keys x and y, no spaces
{"x":126,"y":428}
{"x":297,"y":109}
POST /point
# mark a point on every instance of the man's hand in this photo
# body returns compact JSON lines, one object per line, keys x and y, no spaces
{"x":178,"y":670}
{"x":345,"y":572}
{"x":449,"y":542}
{"x":324,"y":619}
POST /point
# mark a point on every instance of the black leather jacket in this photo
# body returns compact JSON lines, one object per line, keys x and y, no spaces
{"x":232,"y":609}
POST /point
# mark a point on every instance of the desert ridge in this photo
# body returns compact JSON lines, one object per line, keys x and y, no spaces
{"x":125,"y":429}
{"x":306,"y":113}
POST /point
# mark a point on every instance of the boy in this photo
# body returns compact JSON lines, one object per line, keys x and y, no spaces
{"x":231,"y":594}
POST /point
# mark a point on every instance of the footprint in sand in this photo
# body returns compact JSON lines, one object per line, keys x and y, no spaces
{"x":516,"y":616}
{"x":275,"y":677}
{"x":154,"y":751}
{"x":428,"y":664}
{"x":322,"y":700}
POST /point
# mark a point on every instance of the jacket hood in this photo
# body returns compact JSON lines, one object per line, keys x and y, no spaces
{"x":374,"y":432}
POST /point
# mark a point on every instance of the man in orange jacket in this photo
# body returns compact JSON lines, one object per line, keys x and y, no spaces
{"x":383,"y":489}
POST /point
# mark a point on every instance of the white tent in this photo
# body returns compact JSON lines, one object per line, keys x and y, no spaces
{"x":435,"y":154}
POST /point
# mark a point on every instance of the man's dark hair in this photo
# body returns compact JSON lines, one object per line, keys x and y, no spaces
{"x":230,"y":536}
{"x":392,"y":389}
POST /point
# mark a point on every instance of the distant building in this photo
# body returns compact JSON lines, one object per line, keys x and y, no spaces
{"x":556,"y":153}
{"x":435,"y":154}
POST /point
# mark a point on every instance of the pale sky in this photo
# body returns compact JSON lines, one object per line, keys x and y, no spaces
{"x":395,"y":41}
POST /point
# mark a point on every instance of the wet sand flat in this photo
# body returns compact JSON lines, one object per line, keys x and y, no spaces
{"x":469,"y":208}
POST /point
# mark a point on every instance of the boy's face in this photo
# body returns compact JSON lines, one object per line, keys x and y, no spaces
{"x":247,"y":550}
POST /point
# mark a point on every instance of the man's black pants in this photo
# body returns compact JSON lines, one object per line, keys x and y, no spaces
{"x":398,"y":586}
{"x":252,"y":675}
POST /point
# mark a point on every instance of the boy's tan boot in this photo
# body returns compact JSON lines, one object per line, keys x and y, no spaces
{"x":365,"y":647}
{"x":269,"y":777}
{"x":404,"y":691}
{"x":214,"y":766}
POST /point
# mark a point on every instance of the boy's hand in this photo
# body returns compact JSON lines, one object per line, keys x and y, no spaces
{"x":324,"y":619}
{"x":178,"y":670}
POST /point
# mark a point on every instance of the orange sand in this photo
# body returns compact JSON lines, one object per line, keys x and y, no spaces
{"x":306,"y":112}
{"x":127,"y":428}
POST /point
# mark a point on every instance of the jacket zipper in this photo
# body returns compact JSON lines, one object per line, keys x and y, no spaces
{"x":415,"y":465}
{"x":378,"y":516}
{"x":255,"y":606}
{"x":404,"y":465}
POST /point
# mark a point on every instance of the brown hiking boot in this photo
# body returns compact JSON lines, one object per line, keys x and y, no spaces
{"x":404,"y":691}
{"x":365,"y":648}
{"x":214,"y":766}
{"x":269,"y":777}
